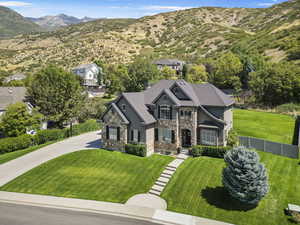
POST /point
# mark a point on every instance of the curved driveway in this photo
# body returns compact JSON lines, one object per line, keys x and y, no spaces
{"x":15,"y":168}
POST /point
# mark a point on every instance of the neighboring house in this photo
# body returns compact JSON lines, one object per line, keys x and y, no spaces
{"x":169,"y":115}
{"x":89,"y":74}
{"x":17,"y":77}
{"x":172,"y":63}
{"x":11,"y":95}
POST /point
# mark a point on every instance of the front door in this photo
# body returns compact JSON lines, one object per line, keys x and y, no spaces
{"x":186,"y":138}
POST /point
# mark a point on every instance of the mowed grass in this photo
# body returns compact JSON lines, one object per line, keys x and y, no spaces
{"x":197,"y":189}
{"x":13,"y":155}
{"x":92,"y":174}
{"x":264,"y":125}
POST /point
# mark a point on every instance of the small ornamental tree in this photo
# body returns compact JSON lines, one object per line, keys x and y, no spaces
{"x":17,"y":120}
{"x":245,"y":178}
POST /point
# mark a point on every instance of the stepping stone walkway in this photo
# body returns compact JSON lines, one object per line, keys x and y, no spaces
{"x":166,"y":175}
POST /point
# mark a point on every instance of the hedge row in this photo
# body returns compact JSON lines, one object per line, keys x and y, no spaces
{"x":212,"y":151}
{"x":25,"y":141}
{"x":136,"y":149}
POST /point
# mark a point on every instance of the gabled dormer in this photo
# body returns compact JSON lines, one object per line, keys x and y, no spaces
{"x":164,"y":105}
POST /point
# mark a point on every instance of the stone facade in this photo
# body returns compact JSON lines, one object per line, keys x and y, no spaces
{"x":112,"y":119}
{"x":189,"y":124}
{"x":163,"y":147}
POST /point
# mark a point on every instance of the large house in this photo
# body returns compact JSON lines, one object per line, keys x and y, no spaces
{"x":89,"y":74}
{"x":170,"y":115}
{"x":174,"y":64}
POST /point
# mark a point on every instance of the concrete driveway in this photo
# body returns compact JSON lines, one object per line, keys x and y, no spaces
{"x":15,"y":168}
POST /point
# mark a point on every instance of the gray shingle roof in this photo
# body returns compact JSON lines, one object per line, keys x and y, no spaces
{"x":11,"y":95}
{"x":137,"y":101}
{"x":200,"y":94}
{"x":85,"y":66}
{"x":168,"y":62}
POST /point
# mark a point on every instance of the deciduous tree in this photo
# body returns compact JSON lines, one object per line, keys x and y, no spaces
{"x":17,"y":120}
{"x":57,"y":94}
{"x":197,"y":74}
{"x":141,"y":71}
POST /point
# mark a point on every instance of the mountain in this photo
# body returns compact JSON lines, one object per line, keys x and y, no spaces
{"x":54,"y":22}
{"x":188,"y":35}
{"x":12,"y":23}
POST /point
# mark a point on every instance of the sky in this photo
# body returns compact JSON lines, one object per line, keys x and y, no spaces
{"x":121,"y":8}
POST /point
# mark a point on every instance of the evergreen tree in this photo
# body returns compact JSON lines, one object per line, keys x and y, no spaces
{"x":245,"y":178}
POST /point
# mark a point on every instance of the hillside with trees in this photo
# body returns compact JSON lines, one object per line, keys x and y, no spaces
{"x":189,"y":35}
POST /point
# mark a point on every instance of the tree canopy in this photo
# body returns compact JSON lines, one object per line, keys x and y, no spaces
{"x":17,"y":120}
{"x":197,"y":74}
{"x":276,"y":83}
{"x":57,"y":94}
{"x":141,"y":71}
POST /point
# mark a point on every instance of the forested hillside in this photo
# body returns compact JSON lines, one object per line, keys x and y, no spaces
{"x":188,"y":34}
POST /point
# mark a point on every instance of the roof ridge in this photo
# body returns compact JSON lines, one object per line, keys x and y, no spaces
{"x":215,"y":90}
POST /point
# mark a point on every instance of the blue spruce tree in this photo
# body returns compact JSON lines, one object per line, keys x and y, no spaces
{"x":245,"y":178}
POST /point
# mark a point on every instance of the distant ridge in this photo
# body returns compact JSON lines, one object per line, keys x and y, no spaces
{"x":61,"y":20}
{"x":12,"y":23}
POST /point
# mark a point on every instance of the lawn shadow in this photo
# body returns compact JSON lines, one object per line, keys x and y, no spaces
{"x":219,"y":197}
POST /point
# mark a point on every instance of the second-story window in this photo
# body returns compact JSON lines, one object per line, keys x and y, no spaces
{"x":165,"y":112}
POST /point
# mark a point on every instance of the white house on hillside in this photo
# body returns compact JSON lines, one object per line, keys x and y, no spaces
{"x":89,"y":73}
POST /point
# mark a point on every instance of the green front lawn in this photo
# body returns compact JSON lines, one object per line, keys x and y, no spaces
{"x":92,"y":174}
{"x":264,"y":125}
{"x":196,"y":189}
{"x":13,"y":155}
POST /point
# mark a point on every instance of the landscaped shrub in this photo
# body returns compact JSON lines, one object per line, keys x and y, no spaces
{"x":233,"y":138}
{"x":245,"y":178}
{"x":44,"y":136}
{"x":212,"y":151}
{"x":15,"y":143}
{"x":89,"y":125}
{"x":288,"y":108}
{"x":25,"y":141}
{"x":136,"y":149}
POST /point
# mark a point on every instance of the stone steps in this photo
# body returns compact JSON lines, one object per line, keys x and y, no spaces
{"x":159,"y":183}
{"x":157,"y":188}
{"x":166,"y":175}
{"x":170,"y":168}
{"x":163,"y":180}
{"x":153,"y":192}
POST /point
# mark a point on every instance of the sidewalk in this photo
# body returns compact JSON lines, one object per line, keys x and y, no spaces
{"x":116,"y":209}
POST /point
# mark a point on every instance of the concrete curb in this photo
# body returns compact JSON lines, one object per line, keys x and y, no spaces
{"x":107,"y":208}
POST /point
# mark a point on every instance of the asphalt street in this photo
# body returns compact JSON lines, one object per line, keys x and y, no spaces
{"x":12,"y":214}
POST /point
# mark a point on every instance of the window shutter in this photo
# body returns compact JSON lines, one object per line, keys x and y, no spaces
{"x":173,"y":137}
{"x":156,"y":134}
{"x":107,"y":132}
{"x":131,"y":135}
{"x":158,"y":113}
{"x":118,"y":133}
{"x":171,"y":112}
{"x":139,"y":136}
